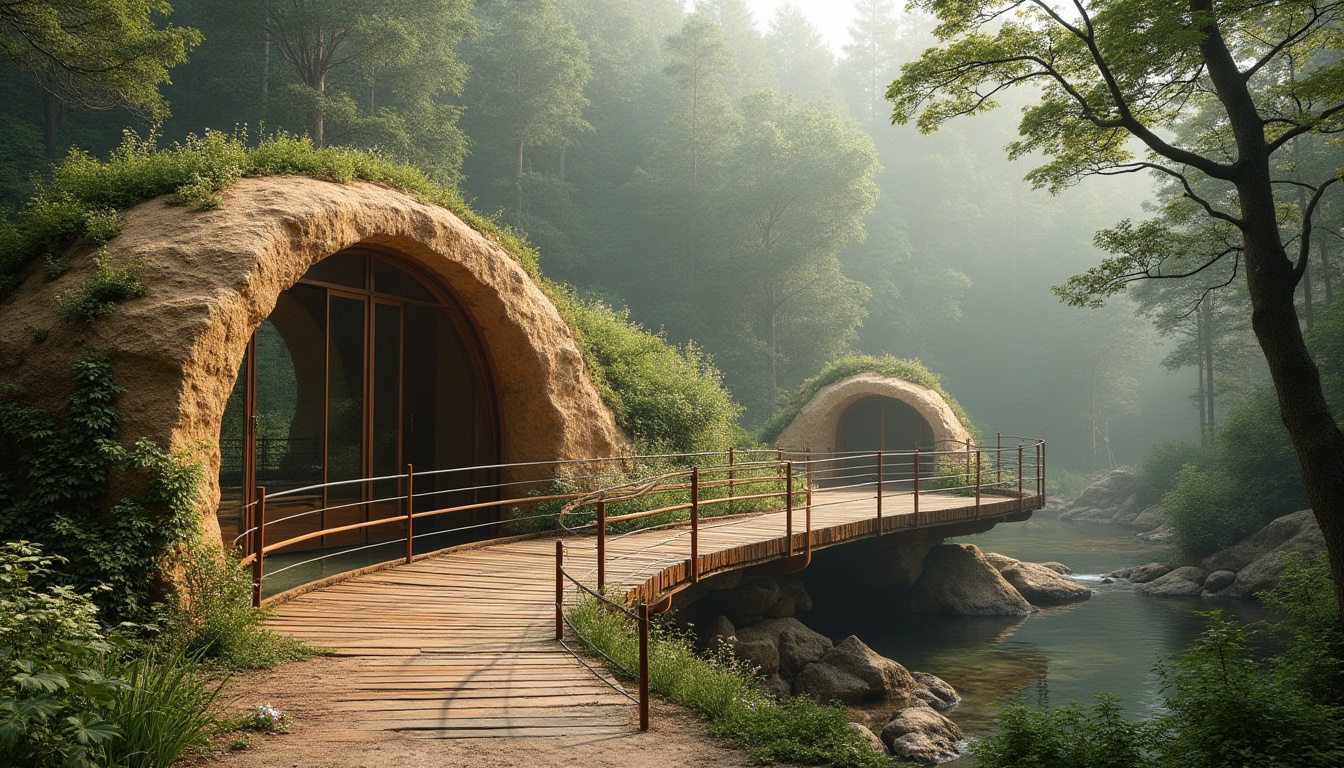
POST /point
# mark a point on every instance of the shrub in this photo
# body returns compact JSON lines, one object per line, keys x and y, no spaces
{"x":725,"y":693}
{"x":1158,"y":474}
{"x":54,"y":473}
{"x":1074,"y":736}
{"x":670,"y":399}
{"x":912,"y":371}
{"x":212,"y":618}
{"x":99,"y":295}
{"x":65,"y":698}
{"x":1307,"y":623}
{"x":1205,"y":512}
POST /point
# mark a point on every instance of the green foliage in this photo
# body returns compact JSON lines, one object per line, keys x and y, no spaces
{"x":65,"y":697}
{"x":165,"y":710}
{"x":671,"y":400}
{"x":85,"y":194}
{"x":909,"y":370}
{"x":725,"y":693}
{"x":102,"y":291}
{"x":1205,"y":512}
{"x":54,"y":474}
{"x":1064,"y":484}
{"x":1159,"y":472}
{"x":1307,"y":622}
{"x":96,"y":53}
{"x":212,"y":619}
{"x":1096,"y":736}
{"x":1222,"y":705}
{"x":1228,"y":708}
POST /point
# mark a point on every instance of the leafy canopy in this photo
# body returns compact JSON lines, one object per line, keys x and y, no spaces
{"x":96,"y":53}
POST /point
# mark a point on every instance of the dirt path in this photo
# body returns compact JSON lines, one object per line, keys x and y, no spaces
{"x":676,"y":739}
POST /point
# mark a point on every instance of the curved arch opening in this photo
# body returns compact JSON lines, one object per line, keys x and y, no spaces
{"x":877,"y":423}
{"x":365,"y":365}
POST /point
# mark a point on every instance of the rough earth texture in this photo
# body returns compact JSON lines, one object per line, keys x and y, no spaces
{"x":214,"y":276}
{"x":922,"y":735}
{"x":814,"y":426}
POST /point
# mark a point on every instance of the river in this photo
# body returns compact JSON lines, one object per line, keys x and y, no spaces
{"x":1108,"y":643}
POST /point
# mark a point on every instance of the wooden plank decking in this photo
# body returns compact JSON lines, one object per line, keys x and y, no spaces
{"x":462,"y":645}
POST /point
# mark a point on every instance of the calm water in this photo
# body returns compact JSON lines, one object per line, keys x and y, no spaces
{"x":1108,"y":643}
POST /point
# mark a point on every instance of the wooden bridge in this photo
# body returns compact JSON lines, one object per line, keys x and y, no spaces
{"x":461,"y":644}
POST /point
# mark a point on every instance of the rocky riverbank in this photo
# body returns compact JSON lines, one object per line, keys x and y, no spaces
{"x":1241,"y":571}
{"x":900,"y":711}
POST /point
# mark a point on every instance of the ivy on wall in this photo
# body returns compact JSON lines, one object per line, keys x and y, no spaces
{"x":56,"y":471}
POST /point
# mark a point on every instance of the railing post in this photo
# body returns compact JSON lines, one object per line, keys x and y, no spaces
{"x":807,"y":478}
{"x":916,"y":486}
{"x":410,"y":513}
{"x":601,"y":545}
{"x":968,"y":461}
{"x":998,"y":457}
{"x":1042,"y":471}
{"x":977,"y":481}
{"x":644,"y":667}
{"x":258,"y":545}
{"x":732,"y":475}
{"x":880,"y":472}
{"x":788,"y":508}
{"x":779,"y":460}
{"x":1019,"y":478}
{"x":1040,"y":477}
{"x":559,"y":590}
{"x":695,"y":524}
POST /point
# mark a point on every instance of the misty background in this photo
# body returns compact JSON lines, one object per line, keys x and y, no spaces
{"x":728,"y":172}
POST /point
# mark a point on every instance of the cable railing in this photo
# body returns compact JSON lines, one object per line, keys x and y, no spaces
{"x":792,"y":477}
{"x":347,"y":525}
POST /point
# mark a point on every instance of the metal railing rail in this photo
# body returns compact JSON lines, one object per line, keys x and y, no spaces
{"x":947,"y":471}
{"x":611,"y":493}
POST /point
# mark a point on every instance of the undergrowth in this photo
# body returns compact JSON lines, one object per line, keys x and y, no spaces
{"x":912,"y":371}
{"x":55,"y":475}
{"x":724,"y":692}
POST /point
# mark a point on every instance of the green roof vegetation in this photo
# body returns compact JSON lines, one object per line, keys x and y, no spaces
{"x":664,"y":397}
{"x":912,"y":371}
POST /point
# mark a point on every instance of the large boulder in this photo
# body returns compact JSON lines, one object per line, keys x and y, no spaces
{"x":1109,"y":500}
{"x":1042,"y":586}
{"x":1142,"y":574}
{"x":1218,"y":581}
{"x":834,"y":676}
{"x":752,"y":597}
{"x":921,"y":735}
{"x":762,"y":655}
{"x":958,"y":579}
{"x":870,"y":738}
{"x":797,"y":645}
{"x":1182,"y":582}
{"x":1263,"y":572}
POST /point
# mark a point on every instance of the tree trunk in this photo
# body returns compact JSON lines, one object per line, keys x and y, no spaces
{"x":53,"y":109}
{"x":1325,"y":271}
{"x":1209,"y":391}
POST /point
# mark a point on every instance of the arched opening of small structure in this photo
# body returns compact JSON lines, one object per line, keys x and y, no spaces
{"x":364,"y":366}
{"x":876,"y":423}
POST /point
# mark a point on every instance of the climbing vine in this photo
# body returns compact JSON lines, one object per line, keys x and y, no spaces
{"x":55,"y":472}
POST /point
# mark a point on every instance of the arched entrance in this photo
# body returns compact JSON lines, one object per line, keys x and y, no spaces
{"x":882,"y":424}
{"x":364,"y":366}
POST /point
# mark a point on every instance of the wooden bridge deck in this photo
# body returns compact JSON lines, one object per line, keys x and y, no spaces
{"x":462,"y":645}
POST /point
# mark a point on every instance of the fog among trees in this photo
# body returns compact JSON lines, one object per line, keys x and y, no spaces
{"x":731,"y":180}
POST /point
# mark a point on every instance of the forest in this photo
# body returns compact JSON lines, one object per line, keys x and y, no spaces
{"x":733,"y":181}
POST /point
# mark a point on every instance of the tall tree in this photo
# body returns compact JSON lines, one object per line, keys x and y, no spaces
{"x":795,"y":188}
{"x":407,"y":47}
{"x":803,"y":62}
{"x":1114,"y":70}
{"x":754,"y":71}
{"x":529,"y":72}
{"x":872,"y":58}
{"x":94,"y":54}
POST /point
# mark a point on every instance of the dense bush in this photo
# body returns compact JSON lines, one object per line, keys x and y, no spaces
{"x":211,"y":617}
{"x":1222,"y":705}
{"x":912,"y":371}
{"x":671,"y":400}
{"x":55,"y":473}
{"x":1158,"y":474}
{"x":66,"y":696}
{"x":1205,"y":512}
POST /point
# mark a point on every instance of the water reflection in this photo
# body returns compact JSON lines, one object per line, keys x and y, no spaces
{"x":1109,"y":643}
